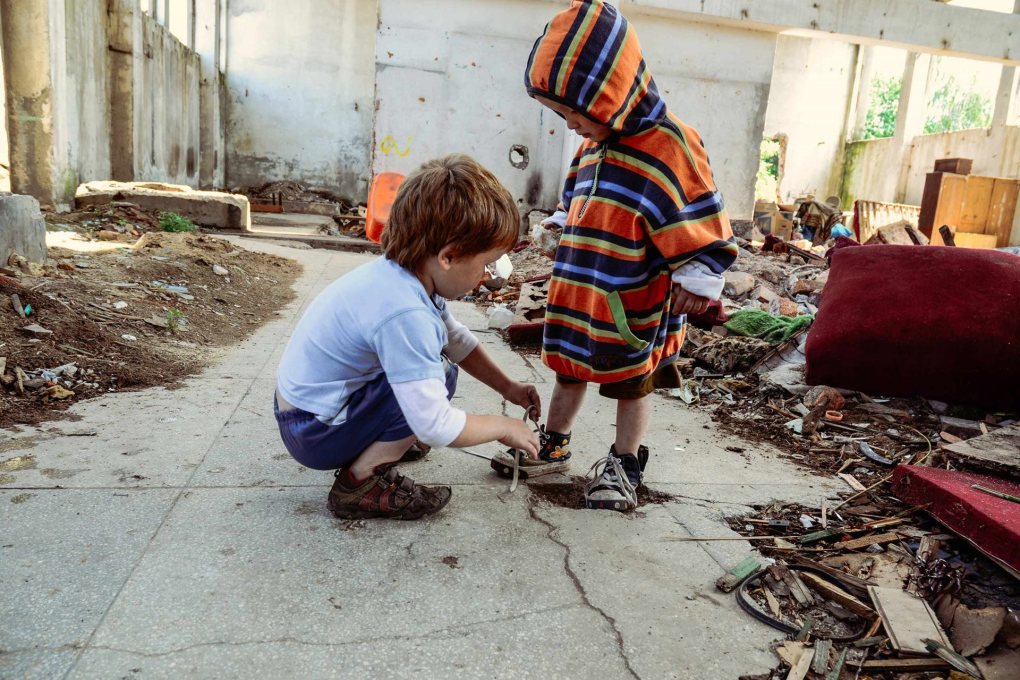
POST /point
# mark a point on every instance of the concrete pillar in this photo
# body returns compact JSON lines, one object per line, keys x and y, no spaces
{"x":865,"y":74}
{"x":911,"y":114}
{"x":29,"y":89}
{"x":1007,"y":99}
{"x":124,"y":33}
{"x":208,"y":20}
{"x":5,"y":158}
{"x":913,"y":105}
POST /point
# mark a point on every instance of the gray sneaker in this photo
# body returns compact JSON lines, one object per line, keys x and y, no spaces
{"x":613,"y":481}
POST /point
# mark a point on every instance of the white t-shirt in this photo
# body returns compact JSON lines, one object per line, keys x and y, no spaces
{"x":377,"y":319}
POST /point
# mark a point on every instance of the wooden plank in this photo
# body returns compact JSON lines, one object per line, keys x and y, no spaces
{"x":997,"y":452}
{"x":1001,"y":210}
{"x":950,"y":201}
{"x":905,"y":665}
{"x":907,"y":619}
{"x":851,"y":480}
{"x":731,"y":579}
{"x":773,"y":602}
{"x":976,"y":198}
{"x":820,"y":662}
{"x":837,"y":594}
{"x":876,"y":539}
{"x":799,"y":672}
{"x":967,"y":240}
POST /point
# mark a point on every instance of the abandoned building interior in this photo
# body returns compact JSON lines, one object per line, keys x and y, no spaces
{"x":836,"y":488}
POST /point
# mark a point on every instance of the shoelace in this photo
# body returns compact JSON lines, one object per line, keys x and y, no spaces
{"x":517,"y":453}
{"x":615,"y":476}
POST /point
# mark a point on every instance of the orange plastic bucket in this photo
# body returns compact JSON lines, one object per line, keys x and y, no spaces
{"x":380,"y":200}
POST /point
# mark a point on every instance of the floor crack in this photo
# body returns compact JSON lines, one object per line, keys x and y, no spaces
{"x":579,"y":587}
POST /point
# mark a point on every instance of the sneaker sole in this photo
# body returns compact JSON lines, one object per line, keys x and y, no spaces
{"x":619,"y":506}
{"x":528,"y":471}
{"x":354,"y":513}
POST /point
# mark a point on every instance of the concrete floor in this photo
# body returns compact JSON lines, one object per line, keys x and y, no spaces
{"x":169,"y":534}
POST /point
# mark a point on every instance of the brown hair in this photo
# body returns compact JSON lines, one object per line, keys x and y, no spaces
{"x":449,"y":201}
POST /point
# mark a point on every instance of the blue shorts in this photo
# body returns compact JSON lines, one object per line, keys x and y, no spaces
{"x":373,"y":415}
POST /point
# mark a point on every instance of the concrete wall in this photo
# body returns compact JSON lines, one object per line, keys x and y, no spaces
{"x":812,"y":86}
{"x":82,"y":100}
{"x":457,"y":85}
{"x":167,"y":108}
{"x":5,"y":156}
{"x":332,"y":93}
{"x":301,"y":87}
{"x":995,"y":154}
{"x":97,"y":90}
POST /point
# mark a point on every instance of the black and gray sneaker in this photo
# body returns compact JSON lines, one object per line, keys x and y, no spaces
{"x":613,"y":481}
{"x":553,"y":456}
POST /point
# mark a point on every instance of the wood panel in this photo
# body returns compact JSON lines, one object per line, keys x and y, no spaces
{"x":1001,"y":210}
{"x":977,"y":196}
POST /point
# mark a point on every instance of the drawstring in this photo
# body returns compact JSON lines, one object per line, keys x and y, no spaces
{"x":595,"y":182}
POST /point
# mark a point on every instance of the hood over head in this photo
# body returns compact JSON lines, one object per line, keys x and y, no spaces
{"x":589,"y":59}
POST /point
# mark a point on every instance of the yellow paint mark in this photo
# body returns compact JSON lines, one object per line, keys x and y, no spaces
{"x":389,"y":145}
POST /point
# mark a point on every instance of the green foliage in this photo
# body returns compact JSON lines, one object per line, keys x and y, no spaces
{"x":885,"y":99}
{"x":953,"y":108}
{"x":170,"y":221}
{"x":175,"y":318}
{"x":766,"y":183}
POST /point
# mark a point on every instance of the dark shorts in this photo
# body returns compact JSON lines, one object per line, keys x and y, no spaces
{"x":666,"y":376}
{"x":373,"y":415}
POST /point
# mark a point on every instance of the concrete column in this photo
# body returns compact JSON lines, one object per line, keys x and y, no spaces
{"x":913,"y":105}
{"x":208,"y":19}
{"x":29,"y":86}
{"x":1007,"y":99}
{"x":865,"y":74}
{"x":5,"y":157}
{"x":124,"y":33}
{"x":911,"y":113}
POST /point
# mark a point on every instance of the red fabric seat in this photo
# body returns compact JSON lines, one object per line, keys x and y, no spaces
{"x":936,"y":322}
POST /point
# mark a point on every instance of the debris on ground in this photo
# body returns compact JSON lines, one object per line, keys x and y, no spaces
{"x":141,"y":309}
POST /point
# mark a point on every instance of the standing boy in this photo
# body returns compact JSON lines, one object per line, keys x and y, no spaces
{"x":373,"y":362}
{"x":645,"y":240}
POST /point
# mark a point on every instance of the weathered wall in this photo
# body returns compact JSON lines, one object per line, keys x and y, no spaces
{"x":4,"y":150}
{"x":301,"y":84}
{"x":457,"y":85}
{"x":872,"y":167}
{"x":812,"y":84}
{"x":871,"y":171}
{"x":81,"y":125}
{"x":167,"y":109}
{"x":94,"y":90}
{"x":995,"y":153}
{"x":5,"y":158}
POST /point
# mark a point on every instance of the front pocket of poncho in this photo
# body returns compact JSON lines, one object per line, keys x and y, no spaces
{"x":620,"y":319}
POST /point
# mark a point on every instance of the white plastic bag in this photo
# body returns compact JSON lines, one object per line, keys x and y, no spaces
{"x":500,"y":317}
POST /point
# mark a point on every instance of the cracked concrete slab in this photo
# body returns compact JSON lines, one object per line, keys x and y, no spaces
{"x":223,"y":561}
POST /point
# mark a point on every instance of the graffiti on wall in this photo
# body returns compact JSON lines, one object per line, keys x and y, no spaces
{"x":389,"y":145}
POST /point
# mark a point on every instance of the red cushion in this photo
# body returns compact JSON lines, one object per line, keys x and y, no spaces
{"x":936,"y":322}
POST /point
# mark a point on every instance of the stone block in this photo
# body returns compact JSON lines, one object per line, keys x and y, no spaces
{"x":738,"y":283}
{"x":22,"y":228}
{"x":206,"y":208}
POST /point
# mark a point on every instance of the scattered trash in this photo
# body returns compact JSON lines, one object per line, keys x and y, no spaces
{"x":220,"y":270}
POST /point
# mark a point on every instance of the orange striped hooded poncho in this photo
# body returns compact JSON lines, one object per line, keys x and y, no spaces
{"x":638,"y":205}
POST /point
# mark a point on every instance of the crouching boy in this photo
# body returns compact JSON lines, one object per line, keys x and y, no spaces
{"x":373,"y":363}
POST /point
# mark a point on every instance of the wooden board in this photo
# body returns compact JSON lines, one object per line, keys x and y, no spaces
{"x":997,"y":451}
{"x":1001,"y":209}
{"x":907,"y":620}
{"x":974,"y":209}
{"x":967,"y":240}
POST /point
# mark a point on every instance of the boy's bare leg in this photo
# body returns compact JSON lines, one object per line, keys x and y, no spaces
{"x":566,"y":404}
{"x":379,"y":453}
{"x":631,"y":423}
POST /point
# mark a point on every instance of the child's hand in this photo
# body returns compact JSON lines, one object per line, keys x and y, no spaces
{"x":519,"y":435}
{"x":525,"y":396}
{"x":688,"y":303}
